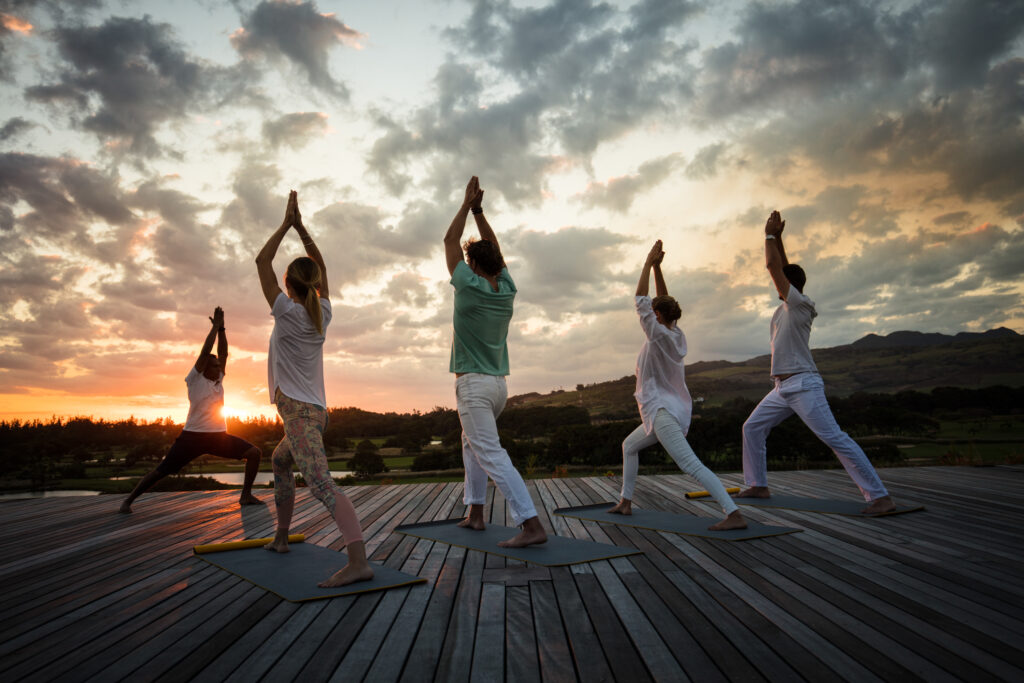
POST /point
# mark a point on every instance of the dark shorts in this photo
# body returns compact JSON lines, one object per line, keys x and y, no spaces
{"x":190,"y":445}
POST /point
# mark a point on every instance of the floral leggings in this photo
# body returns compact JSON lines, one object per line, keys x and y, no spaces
{"x":303,"y":444}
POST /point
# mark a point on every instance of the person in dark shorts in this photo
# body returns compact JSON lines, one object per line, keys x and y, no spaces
{"x":205,"y":431}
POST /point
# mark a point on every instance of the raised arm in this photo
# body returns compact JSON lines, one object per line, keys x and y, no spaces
{"x":659,"y":279}
{"x":265,"y":259}
{"x":312,"y":251}
{"x":453,"y":238}
{"x":204,"y":353}
{"x":653,"y":258}
{"x":222,"y":338}
{"x":482,"y":226}
{"x":775,"y":254}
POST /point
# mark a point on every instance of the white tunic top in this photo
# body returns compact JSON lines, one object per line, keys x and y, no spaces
{"x":660,"y":378}
{"x":295,"y":363}
{"x":205,"y":401}
{"x":791,"y":335}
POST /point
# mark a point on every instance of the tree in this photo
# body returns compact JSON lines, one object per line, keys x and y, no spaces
{"x":366,"y":464}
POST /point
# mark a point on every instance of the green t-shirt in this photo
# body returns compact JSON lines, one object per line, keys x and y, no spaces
{"x":481,"y":322}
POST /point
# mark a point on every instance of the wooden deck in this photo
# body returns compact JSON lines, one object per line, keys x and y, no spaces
{"x":89,"y":594}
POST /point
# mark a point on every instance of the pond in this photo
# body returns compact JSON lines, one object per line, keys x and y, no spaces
{"x":45,"y":494}
{"x":238,"y":478}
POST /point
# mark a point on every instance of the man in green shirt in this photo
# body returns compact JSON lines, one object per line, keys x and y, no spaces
{"x":484,"y":292}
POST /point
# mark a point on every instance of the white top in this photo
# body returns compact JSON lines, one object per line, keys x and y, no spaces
{"x":205,"y":400}
{"x":296,"y":359}
{"x":660,"y":378}
{"x":791,"y":335}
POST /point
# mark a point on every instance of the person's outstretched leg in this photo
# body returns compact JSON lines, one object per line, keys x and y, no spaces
{"x":812,"y":407}
{"x":252,"y":468}
{"x":631,"y":447}
{"x":671,"y":436}
{"x":480,"y":399}
{"x":304,"y":424}
{"x":284,"y":494}
{"x":772,"y":410}
{"x":144,"y":484}
{"x":474,"y":494}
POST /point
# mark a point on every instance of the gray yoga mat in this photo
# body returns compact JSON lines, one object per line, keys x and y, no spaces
{"x":557,"y":552}
{"x":294,"y":575}
{"x":659,"y":520}
{"x":833,"y":507}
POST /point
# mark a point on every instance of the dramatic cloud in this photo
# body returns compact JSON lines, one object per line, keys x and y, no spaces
{"x":298,"y":33}
{"x":618,"y":193}
{"x":294,"y":130}
{"x":124,"y":79}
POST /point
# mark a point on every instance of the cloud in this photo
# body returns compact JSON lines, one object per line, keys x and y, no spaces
{"x":14,"y":127}
{"x":126,"y":78}
{"x":540,"y":89}
{"x":618,"y":193}
{"x":298,"y":33}
{"x":294,"y":130}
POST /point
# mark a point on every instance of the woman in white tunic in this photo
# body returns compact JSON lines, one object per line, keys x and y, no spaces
{"x":662,"y":396}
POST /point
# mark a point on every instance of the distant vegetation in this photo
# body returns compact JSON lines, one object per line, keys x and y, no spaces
{"x":882,"y":390}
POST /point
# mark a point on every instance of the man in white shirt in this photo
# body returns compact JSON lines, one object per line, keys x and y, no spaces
{"x":798,"y":386}
{"x":205,"y":430}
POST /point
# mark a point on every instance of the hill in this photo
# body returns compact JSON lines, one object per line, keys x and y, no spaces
{"x":880,"y":364}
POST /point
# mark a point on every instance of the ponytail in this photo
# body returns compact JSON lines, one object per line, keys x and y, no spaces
{"x":312,"y":304}
{"x":304,"y":276}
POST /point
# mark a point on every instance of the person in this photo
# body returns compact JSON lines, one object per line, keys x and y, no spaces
{"x":484,"y":292}
{"x":205,"y":430}
{"x":296,"y":381}
{"x":662,"y":396}
{"x":798,"y":386}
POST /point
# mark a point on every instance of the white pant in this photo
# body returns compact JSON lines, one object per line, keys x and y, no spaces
{"x":668,"y":432}
{"x":804,"y":394}
{"x":480,"y":400}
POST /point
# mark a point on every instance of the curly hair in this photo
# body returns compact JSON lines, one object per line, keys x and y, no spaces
{"x":668,"y":307}
{"x":796,"y":276}
{"x":486,"y":254}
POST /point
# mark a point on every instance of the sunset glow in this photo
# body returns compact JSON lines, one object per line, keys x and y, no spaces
{"x":148,"y":148}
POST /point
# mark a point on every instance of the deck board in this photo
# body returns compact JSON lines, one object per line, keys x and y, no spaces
{"x":934,"y":595}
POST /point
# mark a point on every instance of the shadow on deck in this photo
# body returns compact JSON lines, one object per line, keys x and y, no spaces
{"x":934,"y":595}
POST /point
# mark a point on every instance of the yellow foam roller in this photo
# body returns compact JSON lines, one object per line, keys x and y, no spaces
{"x":240,"y":545}
{"x":705,"y":494}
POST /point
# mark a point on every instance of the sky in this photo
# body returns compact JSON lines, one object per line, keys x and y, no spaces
{"x":147,"y":150}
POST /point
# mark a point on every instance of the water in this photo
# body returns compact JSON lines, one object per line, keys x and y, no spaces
{"x":24,"y":495}
{"x":238,"y":478}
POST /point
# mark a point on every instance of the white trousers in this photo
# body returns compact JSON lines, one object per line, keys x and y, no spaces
{"x":804,"y":394}
{"x":668,"y":432}
{"x":480,"y":400}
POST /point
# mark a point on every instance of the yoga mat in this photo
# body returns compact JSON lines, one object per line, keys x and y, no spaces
{"x":557,"y":552}
{"x":826,"y":505}
{"x":659,"y":520}
{"x":705,"y":494}
{"x":294,"y":575}
{"x":242,"y":545}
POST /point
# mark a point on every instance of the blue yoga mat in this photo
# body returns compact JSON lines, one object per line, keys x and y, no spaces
{"x":828,"y":506}
{"x":659,"y":520}
{"x":294,"y":575}
{"x":557,"y":552}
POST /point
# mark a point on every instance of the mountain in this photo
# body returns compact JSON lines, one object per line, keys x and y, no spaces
{"x":879,"y":364}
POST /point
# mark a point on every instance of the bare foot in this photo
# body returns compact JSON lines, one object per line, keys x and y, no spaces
{"x":879,"y":506}
{"x":249,"y":499}
{"x":279,"y":544}
{"x":348,"y":574}
{"x":755,"y":492}
{"x":733,"y":521}
{"x":472,"y":523}
{"x":125,"y":507}
{"x":532,"y":534}
{"x":625,"y":507}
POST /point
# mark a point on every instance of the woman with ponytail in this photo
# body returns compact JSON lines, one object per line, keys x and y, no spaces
{"x":296,"y":381}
